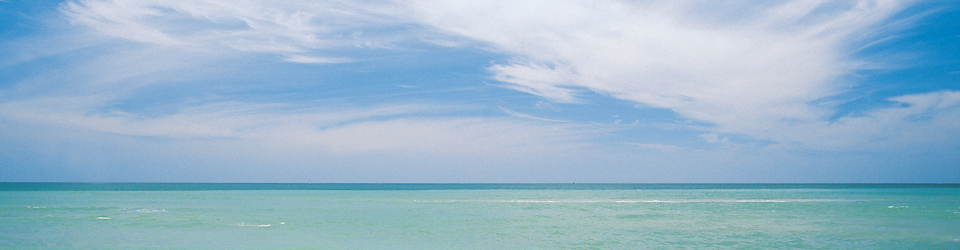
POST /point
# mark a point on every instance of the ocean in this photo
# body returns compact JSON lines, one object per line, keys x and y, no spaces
{"x":478,"y":216}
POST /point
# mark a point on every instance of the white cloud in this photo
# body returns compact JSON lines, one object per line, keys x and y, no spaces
{"x":930,"y":119}
{"x":658,"y":147}
{"x":748,"y":68}
{"x":316,"y":60}
{"x":342,"y":130}
{"x":752,"y":68}
{"x":527,"y":116}
{"x":181,"y":37}
{"x":711,"y":137}
{"x":483,"y":137}
{"x":275,"y":27}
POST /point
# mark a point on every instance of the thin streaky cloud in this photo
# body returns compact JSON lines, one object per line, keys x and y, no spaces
{"x":752,"y":78}
{"x":525,"y":90}
{"x":527,"y":116}
{"x":659,"y":147}
{"x":320,"y":60}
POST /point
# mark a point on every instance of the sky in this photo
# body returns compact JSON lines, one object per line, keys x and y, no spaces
{"x":521,"y":91}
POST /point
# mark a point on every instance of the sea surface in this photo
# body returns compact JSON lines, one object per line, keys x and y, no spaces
{"x":479,"y":216}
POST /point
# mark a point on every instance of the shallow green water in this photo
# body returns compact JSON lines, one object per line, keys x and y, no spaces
{"x":478,"y":216}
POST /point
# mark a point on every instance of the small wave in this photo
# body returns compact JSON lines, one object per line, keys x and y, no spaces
{"x":252,"y":225}
{"x":150,"y":211}
{"x":143,"y":210}
{"x":103,"y":218}
{"x":636,"y":201}
{"x":896,"y":207}
{"x":714,"y":201}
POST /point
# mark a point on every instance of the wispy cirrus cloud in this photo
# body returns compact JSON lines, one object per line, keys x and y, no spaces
{"x":311,"y":81}
{"x":928,"y":120}
{"x":288,"y":28}
{"x":755,"y":69}
{"x":750,"y":68}
{"x":404,"y":128}
{"x":320,"y":60}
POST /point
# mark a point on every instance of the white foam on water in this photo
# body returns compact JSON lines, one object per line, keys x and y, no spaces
{"x":150,"y":210}
{"x":252,"y":225}
{"x":636,"y":201}
{"x":762,"y":201}
{"x":103,"y":218}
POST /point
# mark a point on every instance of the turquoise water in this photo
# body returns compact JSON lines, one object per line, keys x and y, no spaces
{"x":478,"y":216}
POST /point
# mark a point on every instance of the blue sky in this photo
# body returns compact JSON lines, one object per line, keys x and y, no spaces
{"x":480,"y":91}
